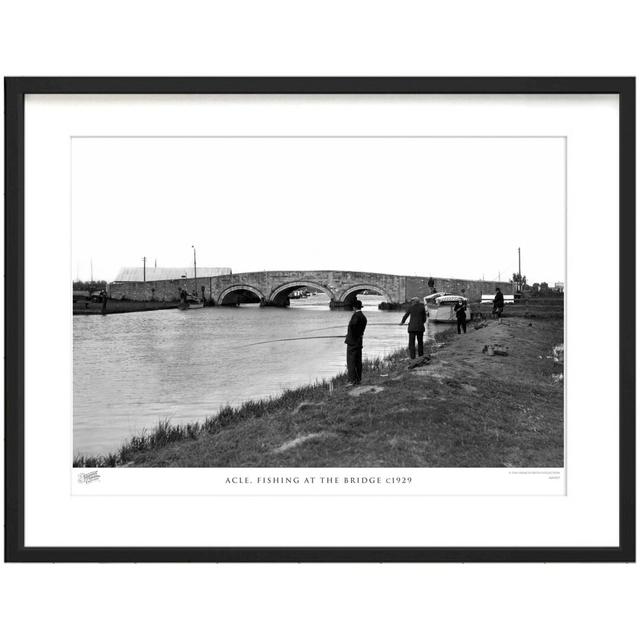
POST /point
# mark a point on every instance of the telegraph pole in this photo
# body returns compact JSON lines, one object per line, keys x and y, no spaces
{"x":144,"y":269}
{"x":519,"y":272}
{"x":195,"y":273}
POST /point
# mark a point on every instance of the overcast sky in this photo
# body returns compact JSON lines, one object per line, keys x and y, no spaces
{"x":447,"y":207}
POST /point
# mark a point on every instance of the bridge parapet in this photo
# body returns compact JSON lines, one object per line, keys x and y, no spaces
{"x":274,"y":287}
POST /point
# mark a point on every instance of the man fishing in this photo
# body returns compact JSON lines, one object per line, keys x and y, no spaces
{"x":355,"y":331}
{"x":417,"y":315}
{"x":460,"y":309}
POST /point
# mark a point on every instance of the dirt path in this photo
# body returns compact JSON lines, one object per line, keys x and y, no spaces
{"x":528,"y":344}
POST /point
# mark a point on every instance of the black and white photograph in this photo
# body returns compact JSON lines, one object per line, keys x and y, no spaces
{"x":302,"y":319}
{"x":318,"y":301}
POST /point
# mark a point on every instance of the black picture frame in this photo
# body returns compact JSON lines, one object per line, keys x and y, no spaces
{"x":15,"y":91}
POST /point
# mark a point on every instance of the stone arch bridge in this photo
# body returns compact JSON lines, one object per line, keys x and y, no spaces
{"x":273,"y":288}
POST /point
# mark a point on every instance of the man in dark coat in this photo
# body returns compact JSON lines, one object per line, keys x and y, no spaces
{"x":355,"y":331}
{"x":417,"y":315}
{"x":498,"y":303}
{"x":460,"y":309}
{"x":103,"y":300}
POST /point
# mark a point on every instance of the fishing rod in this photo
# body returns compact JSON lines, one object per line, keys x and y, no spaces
{"x":369,"y":324}
{"x":253,"y":344}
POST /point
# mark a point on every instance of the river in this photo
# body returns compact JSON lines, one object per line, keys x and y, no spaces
{"x":131,"y":370}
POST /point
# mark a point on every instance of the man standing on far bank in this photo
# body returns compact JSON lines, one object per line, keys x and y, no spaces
{"x":498,"y":303}
{"x":417,"y":315}
{"x":355,"y":331}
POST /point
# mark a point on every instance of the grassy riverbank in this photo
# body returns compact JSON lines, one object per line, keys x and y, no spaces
{"x":464,"y":408}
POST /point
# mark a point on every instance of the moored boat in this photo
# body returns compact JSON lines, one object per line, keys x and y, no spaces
{"x":440,"y":306}
{"x":190,"y":302}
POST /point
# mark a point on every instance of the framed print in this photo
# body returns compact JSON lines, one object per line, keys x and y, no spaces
{"x":320,"y":319}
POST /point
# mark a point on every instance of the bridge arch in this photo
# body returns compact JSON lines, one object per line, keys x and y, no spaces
{"x":280,"y":295}
{"x":225,"y":297}
{"x":348,"y":296}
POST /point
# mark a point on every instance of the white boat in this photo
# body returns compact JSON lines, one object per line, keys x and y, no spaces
{"x":440,"y":306}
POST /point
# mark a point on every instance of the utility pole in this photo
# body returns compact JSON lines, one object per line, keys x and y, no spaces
{"x":91,"y":263}
{"x":144,"y":269}
{"x":195,"y":273}
{"x":519,"y":272}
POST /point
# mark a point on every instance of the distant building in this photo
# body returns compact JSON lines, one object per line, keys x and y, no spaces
{"x":152,"y":274}
{"x":558,"y":286}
